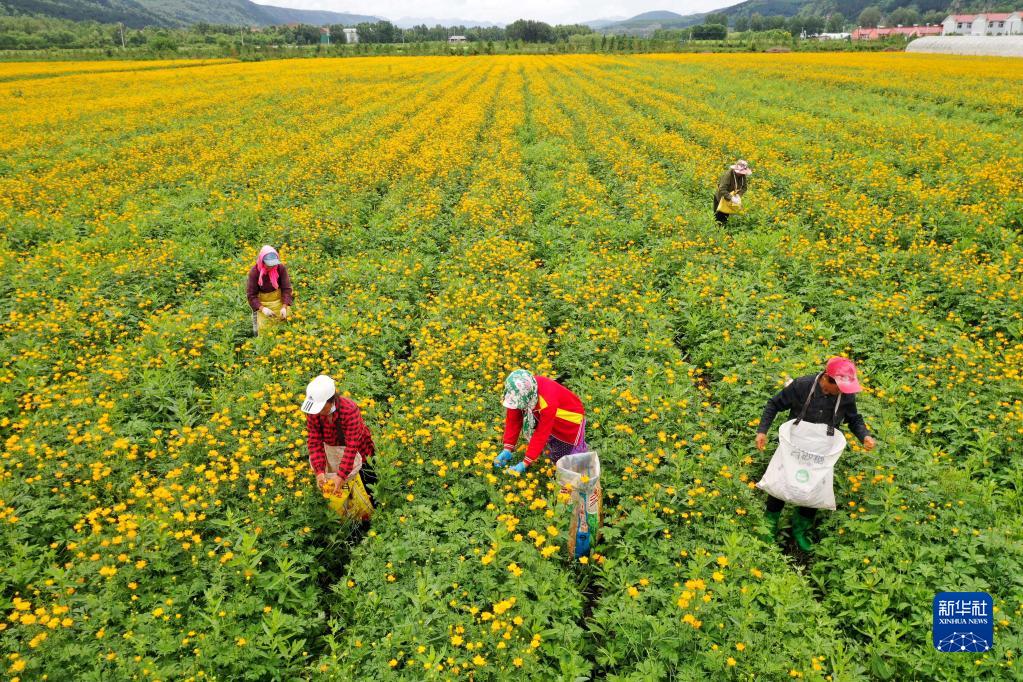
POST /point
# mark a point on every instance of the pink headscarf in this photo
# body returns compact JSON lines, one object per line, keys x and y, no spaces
{"x":263,"y":269}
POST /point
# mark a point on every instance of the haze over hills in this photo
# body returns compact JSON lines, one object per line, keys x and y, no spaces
{"x":409,"y":22}
{"x":139,"y":13}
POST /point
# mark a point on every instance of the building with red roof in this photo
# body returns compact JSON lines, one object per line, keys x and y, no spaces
{"x":883,"y":32}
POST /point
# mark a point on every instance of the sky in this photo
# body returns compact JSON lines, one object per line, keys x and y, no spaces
{"x":503,"y":12}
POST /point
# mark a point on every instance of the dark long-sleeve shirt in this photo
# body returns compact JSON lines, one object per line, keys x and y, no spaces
{"x":729,"y":182}
{"x":254,"y":288}
{"x":821,"y":409}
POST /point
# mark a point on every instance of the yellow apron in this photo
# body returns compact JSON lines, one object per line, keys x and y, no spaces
{"x":274,"y":302}
{"x":352,"y":501}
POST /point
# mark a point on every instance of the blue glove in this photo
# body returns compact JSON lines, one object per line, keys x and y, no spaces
{"x":519,"y":468}
{"x":502,"y":459}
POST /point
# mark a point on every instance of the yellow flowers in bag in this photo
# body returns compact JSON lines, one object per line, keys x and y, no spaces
{"x":352,"y":502}
{"x":726,"y":206}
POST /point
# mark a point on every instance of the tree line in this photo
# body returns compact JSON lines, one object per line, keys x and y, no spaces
{"x":40,"y":33}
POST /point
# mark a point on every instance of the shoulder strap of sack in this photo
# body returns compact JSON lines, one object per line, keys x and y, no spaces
{"x":834,"y":416}
{"x":806,"y":406}
{"x":806,"y":403}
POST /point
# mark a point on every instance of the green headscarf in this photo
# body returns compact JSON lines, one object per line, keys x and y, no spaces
{"x":520,"y":393}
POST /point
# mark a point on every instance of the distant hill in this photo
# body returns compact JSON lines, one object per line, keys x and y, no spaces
{"x":129,"y":12}
{"x":656,"y":16}
{"x":139,"y":13}
{"x":409,"y":22}
{"x":648,"y":22}
{"x":596,"y":24}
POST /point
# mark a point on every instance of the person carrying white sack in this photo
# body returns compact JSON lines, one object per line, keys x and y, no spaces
{"x":827,"y":398}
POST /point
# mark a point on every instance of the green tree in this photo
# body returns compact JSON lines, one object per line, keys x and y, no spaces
{"x":903,"y":16}
{"x":870,"y":17}
{"x":709,"y":32}
{"x":529,"y":31}
{"x":716,"y":18}
{"x":836,"y":23}
{"x":162,"y":42}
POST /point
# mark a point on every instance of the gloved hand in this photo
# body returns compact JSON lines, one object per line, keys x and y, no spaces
{"x":519,"y":468}
{"x":737,"y":200}
{"x":284,"y":312}
{"x":266,"y":311}
{"x":502,"y":459}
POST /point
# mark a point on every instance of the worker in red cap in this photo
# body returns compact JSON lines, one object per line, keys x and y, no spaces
{"x":828,"y":397}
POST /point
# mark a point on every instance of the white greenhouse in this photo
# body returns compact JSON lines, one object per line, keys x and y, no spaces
{"x":994,"y":46}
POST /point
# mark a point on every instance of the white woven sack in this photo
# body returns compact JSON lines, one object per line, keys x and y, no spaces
{"x":802,"y":470}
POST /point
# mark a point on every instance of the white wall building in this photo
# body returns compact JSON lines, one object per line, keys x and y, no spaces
{"x":991,"y":24}
{"x":351,"y":35}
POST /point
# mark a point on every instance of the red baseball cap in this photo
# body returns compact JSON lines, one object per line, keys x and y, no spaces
{"x":843,"y":371}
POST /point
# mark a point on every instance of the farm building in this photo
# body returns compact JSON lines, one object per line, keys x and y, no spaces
{"x":457,"y":39}
{"x":885,"y":32}
{"x":834,"y":36}
{"x":991,"y":24}
{"x":994,"y":46}
{"x":351,"y":35}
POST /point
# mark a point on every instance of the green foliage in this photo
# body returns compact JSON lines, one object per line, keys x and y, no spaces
{"x":870,"y":17}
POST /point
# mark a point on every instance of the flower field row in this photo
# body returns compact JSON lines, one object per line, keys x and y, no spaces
{"x":446,"y":221}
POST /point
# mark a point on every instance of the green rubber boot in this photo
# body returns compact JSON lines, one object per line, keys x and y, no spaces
{"x":773,"y":521}
{"x":801,"y":531}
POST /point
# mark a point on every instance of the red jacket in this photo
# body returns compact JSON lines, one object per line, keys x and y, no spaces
{"x":559,"y":413}
{"x":344,"y":427}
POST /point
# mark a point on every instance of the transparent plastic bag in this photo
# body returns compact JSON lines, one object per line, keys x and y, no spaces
{"x":579,"y":475}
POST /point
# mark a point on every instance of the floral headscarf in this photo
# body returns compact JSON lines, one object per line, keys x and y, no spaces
{"x":520,"y":393}
{"x":263,"y":269}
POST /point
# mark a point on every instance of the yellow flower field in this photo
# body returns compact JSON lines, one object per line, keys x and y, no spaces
{"x":446,"y":220}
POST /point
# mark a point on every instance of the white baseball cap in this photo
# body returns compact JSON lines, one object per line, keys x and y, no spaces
{"x":317,"y":393}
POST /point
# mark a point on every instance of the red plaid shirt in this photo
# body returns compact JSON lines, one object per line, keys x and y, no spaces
{"x":344,"y":427}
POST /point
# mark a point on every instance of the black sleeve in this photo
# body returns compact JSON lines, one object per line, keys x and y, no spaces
{"x":855,"y":420}
{"x":782,"y":400}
